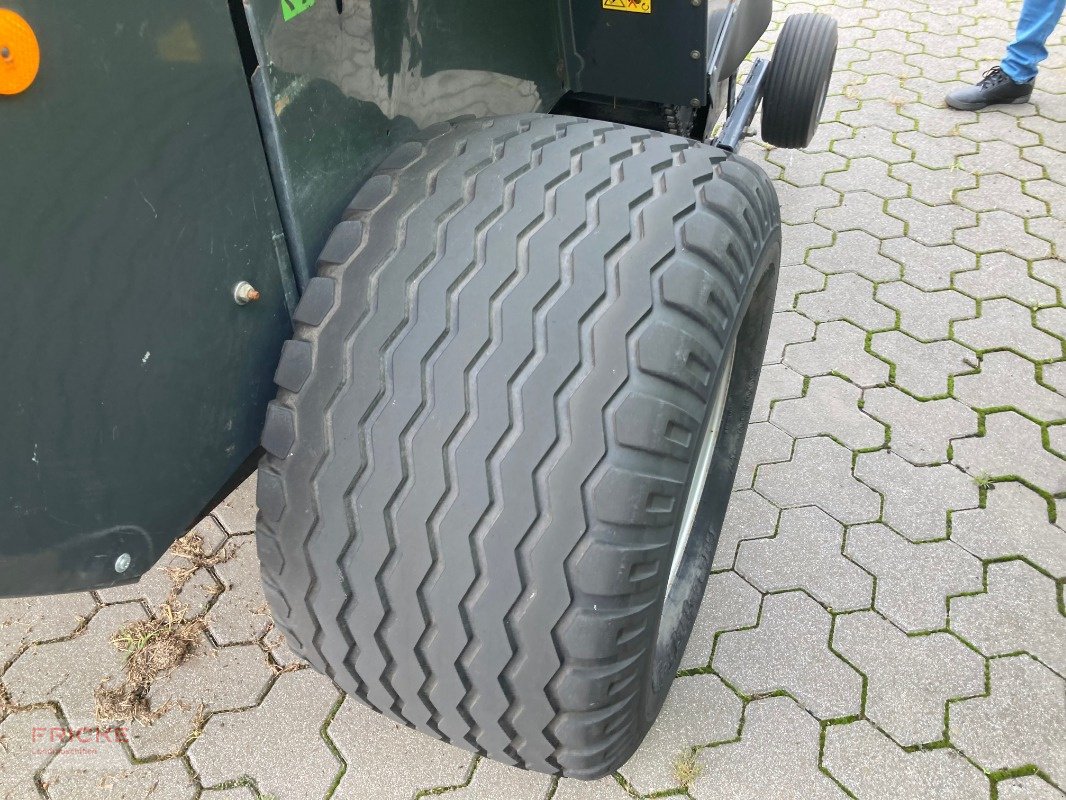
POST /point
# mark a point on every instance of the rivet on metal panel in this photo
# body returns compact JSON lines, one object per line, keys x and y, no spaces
{"x":244,"y":293}
{"x":122,"y":563}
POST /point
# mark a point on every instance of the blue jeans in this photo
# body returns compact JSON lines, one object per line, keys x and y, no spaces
{"x":1037,"y":23}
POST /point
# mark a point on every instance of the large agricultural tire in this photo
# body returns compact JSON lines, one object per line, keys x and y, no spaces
{"x":489,"y":423}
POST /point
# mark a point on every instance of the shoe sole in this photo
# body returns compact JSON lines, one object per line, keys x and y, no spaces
{"x":960,"y":106}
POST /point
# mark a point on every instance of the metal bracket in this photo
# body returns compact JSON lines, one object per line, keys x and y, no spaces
{"x":744,"y":112}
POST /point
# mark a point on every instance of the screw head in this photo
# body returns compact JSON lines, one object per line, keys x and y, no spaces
{"x":5,"y":53}
{"x":695,"y":102}
{"x":244,"y":293}
{"x":697,"y":3}
{"x":695,"y":55}
{"x":122,"y":563}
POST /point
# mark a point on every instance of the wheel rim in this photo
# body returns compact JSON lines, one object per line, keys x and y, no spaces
{"x":703,"y":464}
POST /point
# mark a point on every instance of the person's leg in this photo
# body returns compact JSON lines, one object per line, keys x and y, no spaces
{"x":1036,"y":24}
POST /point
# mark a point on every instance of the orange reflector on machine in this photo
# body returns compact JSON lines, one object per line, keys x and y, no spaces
{"x":20,"y":55}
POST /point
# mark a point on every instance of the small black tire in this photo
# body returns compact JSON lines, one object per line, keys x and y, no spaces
{"x":487,"y":423}
{"x":798,"y":80}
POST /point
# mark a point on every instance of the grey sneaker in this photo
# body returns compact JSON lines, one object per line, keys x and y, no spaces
{"x":994,"y":88}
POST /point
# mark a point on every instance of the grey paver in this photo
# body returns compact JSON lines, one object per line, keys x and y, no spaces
{"x":929,"y":268}
{"x":75,"y":774}
{"x":913,"y":580}
{"x":803,"y":168}
{"x":699,"y":710}
{"x":909,"y":678}
{"x":998,"y":230}
{"x":604,"y":789}
{"x":932,"y":225}
{"x":1054,"y":375}
{"x":998,"y":156}
{"x":1022,"y":721}
{"x":27,"y":620}
{"x":869,"y":173}
{"x":792,"y":281}
{"x":1052,"y":320}
{"x":68,"y":671}
{"x":1031,"y":787}
{"x":25,"y":742}
{"x":857,"y":252}
{"x":921,"y":430}
{"x":1014,"y":522}
{"x":819,"y":472}
{"x":830,"y":408}
{"x":390,"y":761}
{"x":935,"y":186}
{"x":777,"y":382}
{"x":788,"y":328}
{"x":1012,"y":446}
{"x":749,"y":516}
{"x":925,"y":315}
{"x":936,"y":151}
{"x":916,"y":499}
{"x":777,"y":756}
{"x":237,"y":512}
{"x":838,"y":347}
{"x":765,"y":443}
{"x":240,"y":614}
{"x":1018,"y":613}
{"x":492,"y":780}
{"x":1005,"y":322}
{"x":288,"y":721}
{"x":789,"y":652}
{"x":798,"y":239}
{"x":1007,"y":379}
{"x":862,"y":211}
{"x":922,"y":368}
{"x":806,"y":554}
{"x":875,"y":142}
{"x":729,"y":603}
{"x":1001,"y":191}
{"x":846,"y":296}
{"x":872,"y":766}
{"x":799,"y":205}
{"x":1005,"y":275}
{"x":1051,"y":271}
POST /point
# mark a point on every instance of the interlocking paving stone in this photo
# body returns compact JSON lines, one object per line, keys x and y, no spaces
{"x":1052,"y":320}
{"x":856,"y":252}
{"x":1052,"y":271}
{"x":1007,"y":379}
{"x":998,"y":230}
{"x":829,"y":408}
{"x":932,"y":225}
{"x":789,"y":652}
{"x":909,"y":678}
{"x":1001,"y":192}
{"x":862,"y":211}
{"x":872,"y":766}
{"x":913,"y":580}
{"x":492,"y":780}
{"x":237,"y":512}
{"x":875,"y":142}
{"x":916,"y":499}
{"x":921,"y":430}
{"x":838,"y":347}
{"x":219,"y":679}
{"x":802,"y":168}
{"x":699,"y":710}
{"x":68,"y":671}
{"x":1011,"y":446}
{"x":240,"y":614}
{"x":1054,"y":375}
{"x":390,"y":761}
{"x":27,"y":620}
{"x":108,"y":773}
{"x":24,"y":752}
{"x":777,"y":382}
{"x":1018,"y":613}
{"x":1031,"y":787}
{"x":922,"y":368}
{"x":1000,"y":157}
{"x":604,"y":789}
{"x":749,"y":516}
{"x":1002,"y":322}
{"x":729,"y":603}
{"x":925,"y":315}
{"x":792,"y":281}
{"x":1022,"y":721}
{"x":799,"y":205}
{"x":869,"y":174}
{"x":935,"y":186}
{"x":798,"y":239}
{"x":777,"y":756}
{"x":292,"y":760}
{"x":936,"y":151}
{"x":157,"y":587}
{"x":929,"y":268}
{"x":846,"y":296}
{"x":765,"y":443}
{"x":819,"y":472}
{"x":1013,"y":523}
{"x":806,"y":554}
{"x":788,"y":328}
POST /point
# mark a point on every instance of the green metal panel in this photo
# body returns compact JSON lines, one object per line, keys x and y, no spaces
{"x":134,"y":194}
{"x":342,"y":83}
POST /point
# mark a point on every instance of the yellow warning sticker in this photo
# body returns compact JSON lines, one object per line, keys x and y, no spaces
{"x":638,"y":6}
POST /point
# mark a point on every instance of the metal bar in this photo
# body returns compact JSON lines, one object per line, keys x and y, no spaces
{"x":746,"y":106}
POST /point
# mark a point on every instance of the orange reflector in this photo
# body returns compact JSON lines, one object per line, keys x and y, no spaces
{"x":20,"y":55}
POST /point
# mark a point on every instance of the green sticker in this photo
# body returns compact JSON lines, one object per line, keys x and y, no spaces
{"x":290,"y":8}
